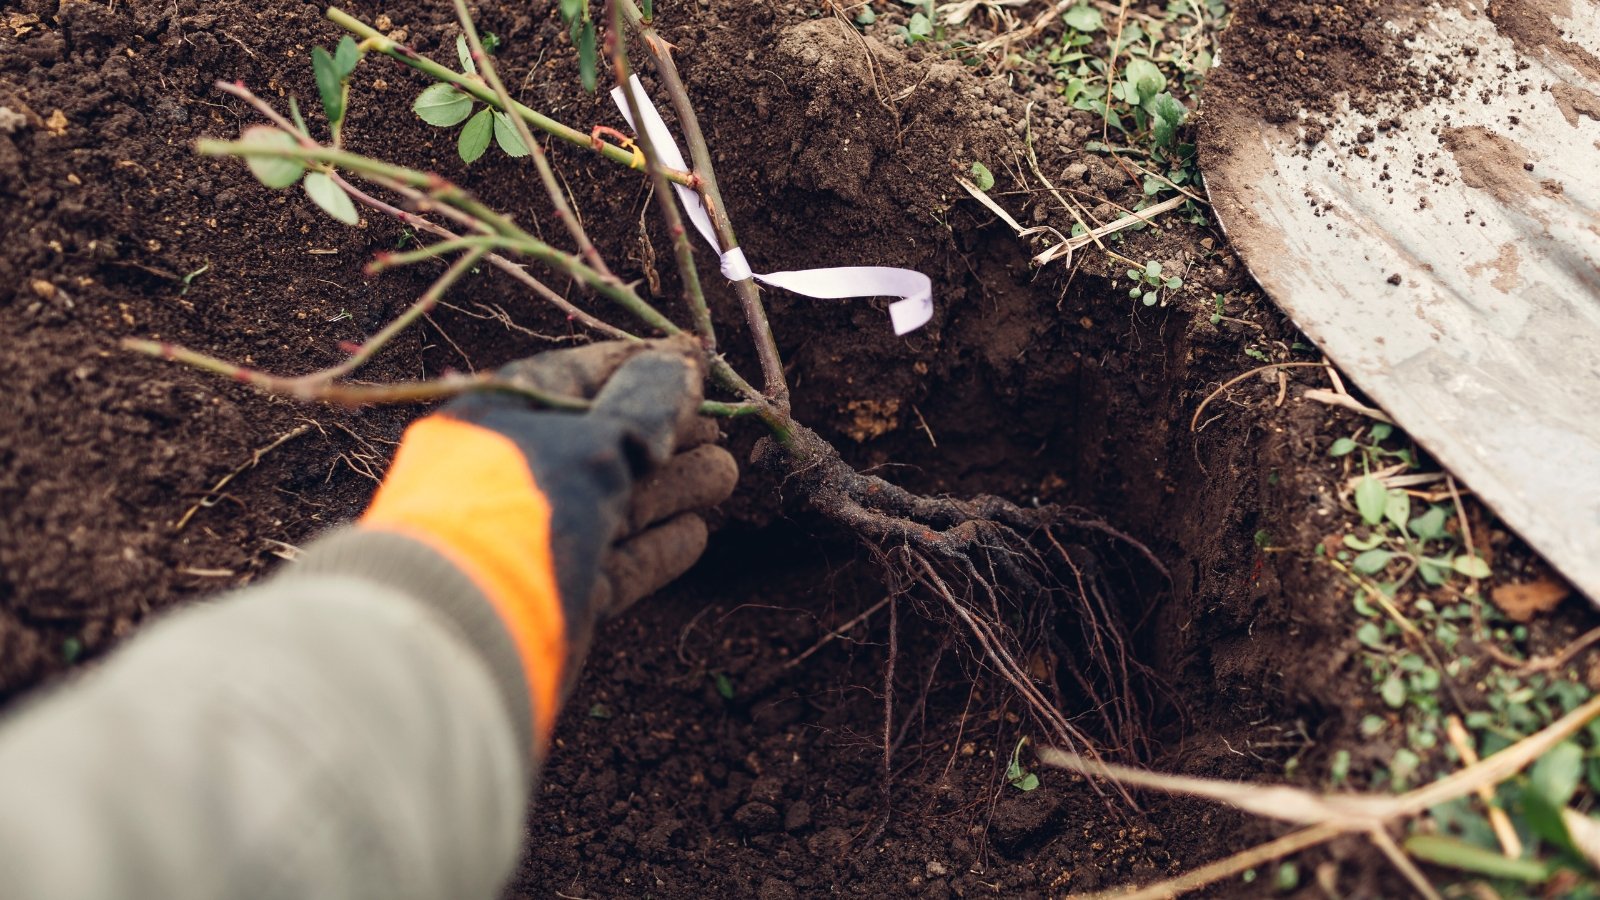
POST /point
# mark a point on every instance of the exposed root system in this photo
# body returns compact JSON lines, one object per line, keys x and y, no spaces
{"x":1027,"y":588}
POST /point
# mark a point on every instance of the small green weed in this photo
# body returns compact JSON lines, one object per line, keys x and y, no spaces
{"x":1415,"y":542}
{"x":1017,"y":776}
{"x":1150,"y":285}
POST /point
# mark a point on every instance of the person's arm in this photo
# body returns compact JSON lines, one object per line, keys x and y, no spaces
{"x":369,"y":722}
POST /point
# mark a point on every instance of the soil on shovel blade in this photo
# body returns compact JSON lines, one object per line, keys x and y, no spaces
{"x":726,"y":738}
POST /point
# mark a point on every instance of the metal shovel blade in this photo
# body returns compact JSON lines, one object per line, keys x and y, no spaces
{"x":1486,"y":205}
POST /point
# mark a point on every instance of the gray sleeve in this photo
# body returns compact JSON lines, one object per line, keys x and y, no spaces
{"x":351,"y":728}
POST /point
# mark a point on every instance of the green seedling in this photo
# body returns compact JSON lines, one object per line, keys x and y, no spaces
{"x":724,"y":685}
{"x":922,"y":24}
{"x":1136,"y":77}
{"x":1150,"y":285}
{"x":332,"y":72}
{"x":982,"y":177}
{"x":445,"y":106}
{"x":189,"y":278}
{"x":1420,"y":541}
{"x":1017,"y":776}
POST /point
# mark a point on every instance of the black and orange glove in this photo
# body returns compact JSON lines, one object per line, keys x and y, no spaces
{"x":563,"y":518}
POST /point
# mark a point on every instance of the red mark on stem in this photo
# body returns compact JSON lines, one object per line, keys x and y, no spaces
{"x":242,"y":375}
{"x":168,"y":351}
{"x":350,"y":347}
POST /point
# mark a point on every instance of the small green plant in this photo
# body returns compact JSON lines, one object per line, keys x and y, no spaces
{"x":1151,"y":285}
{"x":982,"y":177}
{"x":445,"y":106}
{"x":1421,"y":542}
{"x":1135,"y":77}
{"x":922,"y":25}
{"x":1017,"y":776}
{"x":332,"y":72}
{"x":188,"y":280}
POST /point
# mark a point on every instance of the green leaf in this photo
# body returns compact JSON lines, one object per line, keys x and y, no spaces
{"x":1544,"y":818}
{"x":1555,"y":776}
{"x":345,"y":57}
{"x":1144,"y":78}
{"x":724,"y":686}
{"x":982,"y":176}
{"x":505,"y":134}
{"x":1082,"y":17}
{"x":1167,"y":113}
{"x":1174,"y":283}
{"x":442,"y":105}
{"x":571,"y":9}
{"x":1152,"y":269}
{"x":586,"y":55}
{"x":1381,"y":432}
{"x":333,"y":200}
{"x":1370,"y":634}
{"x":1397,"y":508}
{"x":1470,"y":566}
{"x":1029,"y":781}
{"x":1393,"y":692}
{"x":866,"y":16}
{"x":475,"y":135}
{"x":272,"y":171}
{"x":1430,"y":525}
{"x":329,"y":84}
{"x":1360,"y":544}
{"x":1372,"y":561}
{"x":1458,"y":854}
{"x":464,"y":53}
{"x":299,"y":120}
{"x":1342,"y":447}
{"x":1372,"y":498}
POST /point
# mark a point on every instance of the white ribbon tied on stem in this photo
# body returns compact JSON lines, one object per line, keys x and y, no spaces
{"x":915,"y":290}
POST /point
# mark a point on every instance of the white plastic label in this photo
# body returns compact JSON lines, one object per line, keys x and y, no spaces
{"x":912,"y":311}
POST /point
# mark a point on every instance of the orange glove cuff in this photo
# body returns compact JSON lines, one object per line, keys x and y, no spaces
{"x":501,"y":539}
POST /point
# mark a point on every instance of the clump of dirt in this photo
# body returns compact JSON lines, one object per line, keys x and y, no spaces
{"x":1302,"y":60}
{"x":710,"y":748}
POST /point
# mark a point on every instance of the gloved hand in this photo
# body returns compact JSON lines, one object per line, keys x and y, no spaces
{"x":562,"y":518}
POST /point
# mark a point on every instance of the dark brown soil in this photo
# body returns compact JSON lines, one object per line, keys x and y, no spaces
{"x":1049,"y":387}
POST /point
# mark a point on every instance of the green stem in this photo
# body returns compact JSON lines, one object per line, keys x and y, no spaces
{"x":541,"y":162}
{"x":437,"y":72}
{"x":445,"y":192}
{"x":693,"y":293}
{"x":776,"y":387}
{"x":425,"y":304}
{"x":385,"y":261}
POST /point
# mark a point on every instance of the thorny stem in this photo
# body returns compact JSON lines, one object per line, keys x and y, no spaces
{"x":693,"y":294}
{"x":425,"y":304}
{"x":306,"y":387}
{"x":447,"y":193}
{"x":415,"y":60}
{"x":515,"y":270}
{"x":541,"y":162}
{"x":776,"y":387}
